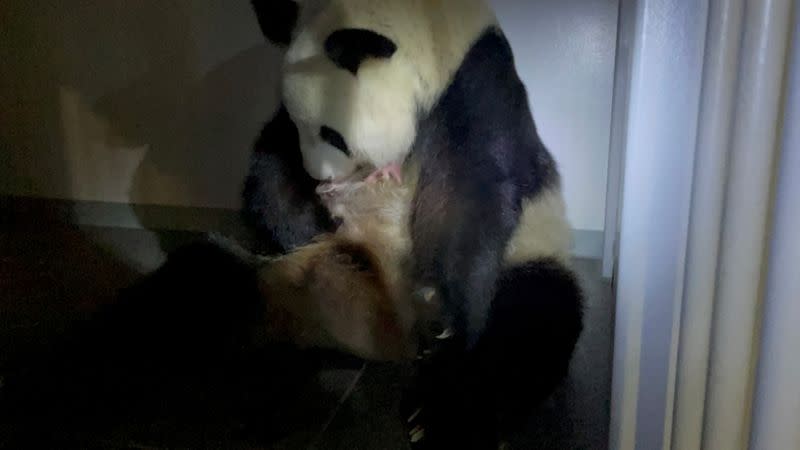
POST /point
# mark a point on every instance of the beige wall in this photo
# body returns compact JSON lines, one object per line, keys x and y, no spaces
{"x":145,"y":101}
{"x":158,"y":102}
{"x":565,"y":52}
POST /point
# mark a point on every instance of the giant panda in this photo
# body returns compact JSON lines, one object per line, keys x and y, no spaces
{"x":430,"y":87}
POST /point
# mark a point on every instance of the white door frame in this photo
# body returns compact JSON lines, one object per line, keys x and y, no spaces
{"x":706,"y":98}
{"x":618,"y":135}
{"x":657,"y":156}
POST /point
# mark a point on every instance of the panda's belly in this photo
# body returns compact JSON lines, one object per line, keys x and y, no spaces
{"x":379,"y":214}
{"x":543,"y":230}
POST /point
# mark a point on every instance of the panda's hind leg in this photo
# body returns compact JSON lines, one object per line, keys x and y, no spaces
{"x":535,"y":321}
{"x":524,"y":353}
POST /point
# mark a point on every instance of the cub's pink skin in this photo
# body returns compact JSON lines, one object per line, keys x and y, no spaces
{"x":392,"y":171}
{"x":389,"y":172}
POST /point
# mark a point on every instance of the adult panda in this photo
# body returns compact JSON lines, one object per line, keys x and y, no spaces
{"x":377,"y":84}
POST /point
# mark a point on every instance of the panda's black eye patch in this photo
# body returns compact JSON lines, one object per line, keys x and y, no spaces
{"x":333,"y":138}
{"x":349,"y":47}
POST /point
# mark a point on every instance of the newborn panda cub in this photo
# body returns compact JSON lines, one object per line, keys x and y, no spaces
{"x":347,"y":290}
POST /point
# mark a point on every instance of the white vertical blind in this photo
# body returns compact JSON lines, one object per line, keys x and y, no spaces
{"x":776,"y":413}
{"x":701,"y":254}
{"x":739,"y":280}
{"x":708,"y":193}
{"x":662,"y":115}
{"x":619,"y":126}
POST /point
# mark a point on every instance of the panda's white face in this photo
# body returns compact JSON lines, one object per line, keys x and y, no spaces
{"x":352,"y":99}
{"x":366,"y":70}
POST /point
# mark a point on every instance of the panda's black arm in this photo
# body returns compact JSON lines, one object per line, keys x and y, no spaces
{"x":459,"y":236}
{"x":480,"y":156}
{"x":279,"y":196}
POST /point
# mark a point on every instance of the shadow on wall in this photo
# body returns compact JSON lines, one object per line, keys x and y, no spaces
{"x":146,"y":102}
{"x":199,"y":133}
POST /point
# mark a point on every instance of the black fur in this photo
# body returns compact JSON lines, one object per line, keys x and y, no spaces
{"x":333,"y":137}
{"x":538,"y":312}
{"x":280,"y":202}
{"x":515,"y":331}
{"x":277,"y":19}
{"x":348,"y":48}
{"x":524,"y":352}
{"x":182,"y":349}
{"x":480,"y":157}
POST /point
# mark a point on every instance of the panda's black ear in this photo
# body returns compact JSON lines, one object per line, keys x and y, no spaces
{"x":277,"y":19}
{"x":349,"y":47}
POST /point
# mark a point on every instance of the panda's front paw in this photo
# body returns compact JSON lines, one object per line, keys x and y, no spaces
{"x":432,"y":422}
{"x":434,"y":329}
{"x":413,"y":415}
{"x":416,"y":429}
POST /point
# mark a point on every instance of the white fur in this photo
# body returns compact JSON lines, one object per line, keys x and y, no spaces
{"x":378,"y":213}
{"x":376,"y":112}
{"x":543,"y":230}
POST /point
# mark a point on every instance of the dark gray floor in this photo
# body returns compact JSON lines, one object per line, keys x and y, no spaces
{"x":52,"y":275}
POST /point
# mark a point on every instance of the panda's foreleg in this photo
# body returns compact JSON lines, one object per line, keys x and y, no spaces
{"x":459,"y":238}
{"x":280,"y":202}
{"x":461,"y":224}
{"x":534,"y":325}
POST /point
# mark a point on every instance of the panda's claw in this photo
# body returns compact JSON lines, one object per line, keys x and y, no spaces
{"x":417,"y":434}
{"x":447,"y":333}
